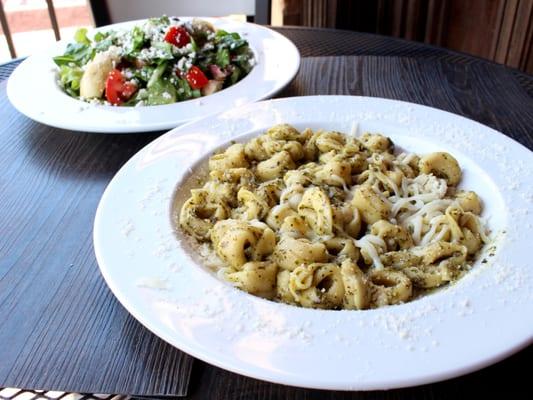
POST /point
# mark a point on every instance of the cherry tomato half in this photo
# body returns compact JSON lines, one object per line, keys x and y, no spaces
{"x":178,"y":36}
{"x":128,"y":90}
{"x":196,"y":77}
{"x":117,"y":90}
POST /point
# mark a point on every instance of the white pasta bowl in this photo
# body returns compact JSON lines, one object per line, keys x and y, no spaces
{"x":33,"y":90}
{"x":159,"y":280}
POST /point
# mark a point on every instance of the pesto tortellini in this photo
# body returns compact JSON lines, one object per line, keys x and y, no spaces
{"x":331,"y":221}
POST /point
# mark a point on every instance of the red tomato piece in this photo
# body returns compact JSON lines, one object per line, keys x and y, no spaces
{"x":196,"y":77}
{"x":128,"y":90}
{"x":117,"y":90}
{"x":113,"y":86}
{"x":178,"y":36}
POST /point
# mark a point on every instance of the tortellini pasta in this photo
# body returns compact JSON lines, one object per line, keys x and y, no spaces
{"x":255,"y":277}
{"x":233,"y":157}
{"x":317,"y":285}
{"x":330,"y":221}
{"x":291,"y":253}
{"x":238,"y":242}
{"x":315,"y":208}
{"x":198,"y":214}
{"x":371,"y":205}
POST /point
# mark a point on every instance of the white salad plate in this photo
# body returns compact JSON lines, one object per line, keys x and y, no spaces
{"x":33,"y":89}
{"x":484,"y":317}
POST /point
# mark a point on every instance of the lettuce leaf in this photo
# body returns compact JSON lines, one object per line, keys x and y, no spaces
{"x":156,"y":75}
{"x":70,"y":78}
{"x":165,"y":52}
{"x":99,"y":36}
{"x":81,"y":36}
{"x":161,"y":92}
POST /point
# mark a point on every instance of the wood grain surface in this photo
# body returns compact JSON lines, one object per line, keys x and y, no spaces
{"x":485,"y":92}
{"x":60,"y":326}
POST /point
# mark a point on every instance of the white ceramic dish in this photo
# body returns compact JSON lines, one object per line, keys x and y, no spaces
{"x":483,"y":318}
{"x":33,"y":90}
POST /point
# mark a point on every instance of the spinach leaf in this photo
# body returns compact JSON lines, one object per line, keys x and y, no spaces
{"x":242,"y":59}
{"x":229,"y":41}
{"x":76,"y":53}
{"x":104,"y":44}
{"x":63,"y":60}
{"x":221,"y":33}
{"x":204,"y":59}
{"x":235,"y":75}
{"x":137,"y":37}
{"x":222,"y":58}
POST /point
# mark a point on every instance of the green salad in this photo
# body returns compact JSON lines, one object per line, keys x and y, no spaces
{"x":163,"y":61}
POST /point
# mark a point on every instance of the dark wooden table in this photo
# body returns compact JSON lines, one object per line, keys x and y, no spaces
{"x":60,"y":326}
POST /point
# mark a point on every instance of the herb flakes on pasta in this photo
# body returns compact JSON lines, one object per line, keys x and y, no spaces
{"x":326,"y":220}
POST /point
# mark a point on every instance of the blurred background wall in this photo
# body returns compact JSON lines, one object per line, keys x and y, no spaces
{"x":499,"y":30}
